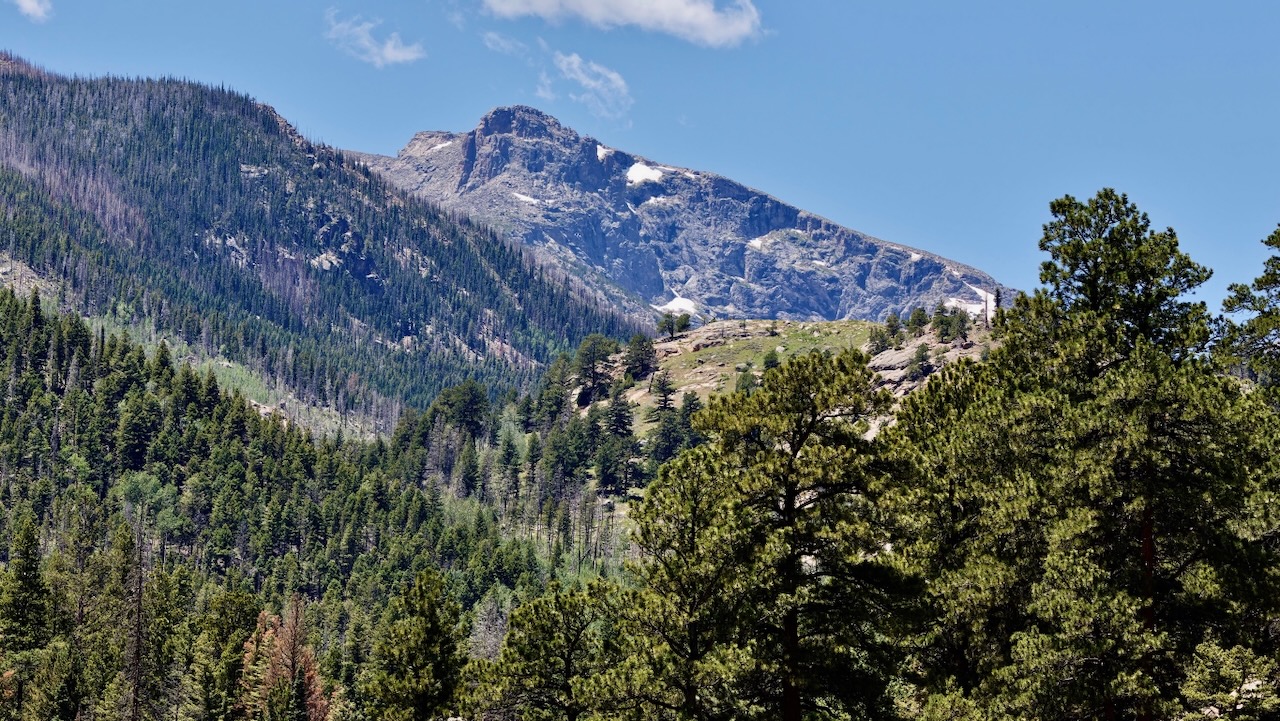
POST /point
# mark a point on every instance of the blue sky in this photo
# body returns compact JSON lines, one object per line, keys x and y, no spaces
{"x":942,"y":125}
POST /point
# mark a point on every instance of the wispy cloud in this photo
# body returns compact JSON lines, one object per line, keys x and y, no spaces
{"x":355,"y":36}
{"x":500,"y":43}
{"x":37,"y":10}
{"x":698,"y":21}
{"x":544,"y":89}
{"x":604,"y":91}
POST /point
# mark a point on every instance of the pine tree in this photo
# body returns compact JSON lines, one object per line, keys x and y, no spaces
{"x":917,"y":321}
{"x":640,"y":359}
{"x":417,"y":658}
{"x":667,"y":324}
{"x":685,"y":627}
{"x":803,"y":473}
{"x":24,"y":597}
{"x":663,"y":390}
{"x":552,"y":661}
{"x":24,"y":610}
{"x":1254,"y":338}
{"x":1074,"y":494}
{"x":589,"y":363}
{"x":1107,"y":267}
{"x":892,"y":324}
{"x":280,"y":681}
{"x":619,"y":418}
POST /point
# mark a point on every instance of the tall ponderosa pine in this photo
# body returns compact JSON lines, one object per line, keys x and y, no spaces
{"x":1109,"y":270}
{"x":590,"y":365}
{"x":1084,"y":501}
{"x":1253,"y":334}
{"x":685,"y":623}
{"x":822,"y":595}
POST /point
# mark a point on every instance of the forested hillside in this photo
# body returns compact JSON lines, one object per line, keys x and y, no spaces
{"x":162,"y":539}
{"x":201,"y":213}
{"x":1082,"y":525}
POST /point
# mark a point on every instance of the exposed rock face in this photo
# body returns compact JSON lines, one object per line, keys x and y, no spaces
{"x":647,"y":235}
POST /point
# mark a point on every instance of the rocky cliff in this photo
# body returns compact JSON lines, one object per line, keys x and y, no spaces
{"x":653,"y":236}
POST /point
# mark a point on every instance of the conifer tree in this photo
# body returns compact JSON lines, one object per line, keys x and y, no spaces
{"x":593,"y":354}
{"x":667,"y":324}
{"x":685,"y":626}
{"x":640,"y":358}
{"x":892,"y":324}
{"x":803,"y":473}
{"x":1074,"y":494}
{"x":24,"y":597}
{"x":917,"y":321}
{"x":552,"y":661}
{"x":24,"y":610}
{"x":417,"y":660}
{"x":1252,"y":329}
{"x":662,"y":389}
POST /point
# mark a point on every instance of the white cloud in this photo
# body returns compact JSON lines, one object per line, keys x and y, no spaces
{"x":698,"y":21}
{"x":544,"y":90}
{"x":604,"y":91}
{"x":500,"y":43}
{"x":37,"y":10}
{"x":355,"y":36}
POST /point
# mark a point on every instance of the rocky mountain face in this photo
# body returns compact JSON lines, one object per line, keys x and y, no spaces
{"x":648,"y":235}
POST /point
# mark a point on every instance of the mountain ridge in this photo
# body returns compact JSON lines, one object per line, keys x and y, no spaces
{"x":204,"y":212}
{"x":650,"y":235}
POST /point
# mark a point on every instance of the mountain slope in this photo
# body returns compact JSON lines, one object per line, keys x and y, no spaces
{"x":645,"y":234}
{"x":205,"y":214}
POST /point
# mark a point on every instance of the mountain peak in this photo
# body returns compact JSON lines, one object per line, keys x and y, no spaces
{"x":647,"y":235}
{"x":520,"y":120}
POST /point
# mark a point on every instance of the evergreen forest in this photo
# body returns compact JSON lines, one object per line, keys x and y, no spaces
{"x":196,"y":213}
{"x":1082,"y":525}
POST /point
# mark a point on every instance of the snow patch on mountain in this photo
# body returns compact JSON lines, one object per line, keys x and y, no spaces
{"x":986,"y":302}
{"x":525,"y":198}
{"x":661,"y":200}
{"x":602,"y":152}
{"x":678,"y":305}
{"x":640,"y":173}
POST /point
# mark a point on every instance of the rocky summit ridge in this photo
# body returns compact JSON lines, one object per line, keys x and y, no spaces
{"x":648,"y":236}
